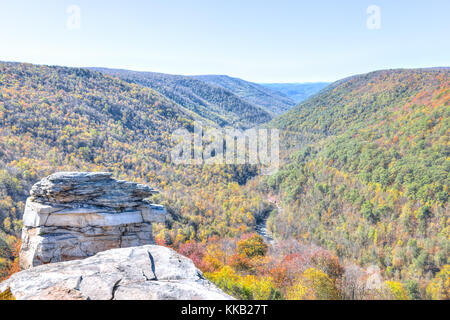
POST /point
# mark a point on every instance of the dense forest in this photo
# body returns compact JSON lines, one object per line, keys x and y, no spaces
{"x":214,"y":103}
{"x":272,"y":101}
{"x":61,"y":119}
{"x":358,"y":209}
{"x":371,"y":185}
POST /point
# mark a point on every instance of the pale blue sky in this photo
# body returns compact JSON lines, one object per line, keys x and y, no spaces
{"x":257,"y":40}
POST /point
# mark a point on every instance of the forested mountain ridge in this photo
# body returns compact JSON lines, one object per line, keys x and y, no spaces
{"x":274,"y":102}
{"x":297,"y":92}
{"x":71,"y":119}
{"x":208,"y":101}
{"x":372,"y":183}
{"x":57,"y":116}
{"x":364,"y":179}
{"x":358,"y":98}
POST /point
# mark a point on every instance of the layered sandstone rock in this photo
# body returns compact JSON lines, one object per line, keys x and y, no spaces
{"x":89,"y":188}
{"x":142,"y":273}
{"x":74,"y":215}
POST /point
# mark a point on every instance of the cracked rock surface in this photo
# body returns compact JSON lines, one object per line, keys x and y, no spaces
{"x":147,"y":272}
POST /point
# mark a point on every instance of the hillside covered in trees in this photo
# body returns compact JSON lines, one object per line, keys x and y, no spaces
{"x":212,"y":102}
{"x":371,"y":182}
{"x":272,"y":101}
{"x":69,"y":119}
{"x":359,"y":208}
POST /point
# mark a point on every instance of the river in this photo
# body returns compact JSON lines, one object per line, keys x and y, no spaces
{"x":261,"y":227}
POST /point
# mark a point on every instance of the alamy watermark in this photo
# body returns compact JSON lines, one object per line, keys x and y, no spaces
{"x":374,"y":20}
{"x":73,"y":21}
{"x":208,"y":145}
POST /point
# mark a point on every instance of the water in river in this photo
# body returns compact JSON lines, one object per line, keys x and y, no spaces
{"x":261,"y":229}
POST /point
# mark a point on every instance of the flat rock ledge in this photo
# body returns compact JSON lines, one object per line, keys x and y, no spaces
{"x":74,"y":215}
{"x":147,"y":272}
{"x":89,"y":188}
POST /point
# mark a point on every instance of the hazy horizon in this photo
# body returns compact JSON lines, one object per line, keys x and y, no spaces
{"x":227,"y":75}
{"x":265,"y":42}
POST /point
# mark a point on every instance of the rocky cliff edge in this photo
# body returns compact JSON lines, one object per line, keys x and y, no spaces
{"x":147,"y":272}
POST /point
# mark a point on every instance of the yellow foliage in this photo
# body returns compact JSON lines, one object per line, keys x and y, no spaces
{"x":7,"y":295}
{"x":244,"y":287}
{"x":298,"y":292}
{"x":7,"y":223}
{"x":261,"y":288}
{"x":252,"y":247}
{"x":215,"y":257}
{"x":314,"y":284}
{"x":396,"y":290}
{"x":322,"y":285}
{"x":439,"y":288}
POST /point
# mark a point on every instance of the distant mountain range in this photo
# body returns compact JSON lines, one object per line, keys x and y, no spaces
{"x":224,"y":100}
{"x":271,"y":100}
{"x":297,"y":92}
{"x":209,"y":101}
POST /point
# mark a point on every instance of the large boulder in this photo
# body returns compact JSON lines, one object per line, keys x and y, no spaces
{"x":74,"y":215}
{"x":140,"y":273}
{"x":89,"y":188}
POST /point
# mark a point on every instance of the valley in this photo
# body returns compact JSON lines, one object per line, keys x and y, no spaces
{"x":297,"y":92}
{"x":362,"y":185}
{"x":209,"y":100}
{"x":261,"y":226}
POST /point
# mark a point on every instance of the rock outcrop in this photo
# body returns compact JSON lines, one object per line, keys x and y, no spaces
{"x":74,"y":215}
{"x":142,"y":273}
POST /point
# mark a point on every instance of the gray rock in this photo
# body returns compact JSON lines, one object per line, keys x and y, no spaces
{"x":148,"y":273}
{"x":89,"y":188}
{"x":74,"y":215}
